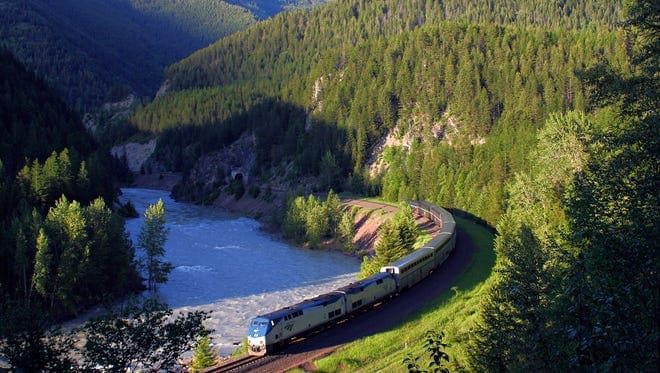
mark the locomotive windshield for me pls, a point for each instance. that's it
(259, 328)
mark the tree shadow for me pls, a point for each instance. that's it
(286, 140)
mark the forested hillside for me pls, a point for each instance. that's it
(207, 20)
(61, 245)
(536, 117)
(544, 124)
(268, 8)
(87, 48)
(468, 92)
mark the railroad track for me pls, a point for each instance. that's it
(235, 365)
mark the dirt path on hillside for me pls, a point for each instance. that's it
(372, 215)
(377, 320)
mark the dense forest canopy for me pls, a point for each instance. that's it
(31, 133)
(303, 35)
(538, 117)
(207, 20)
(62, 246)
(87, 48)
(268, 8)
(468, 83)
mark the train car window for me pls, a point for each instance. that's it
(330, 314)
(379, 281)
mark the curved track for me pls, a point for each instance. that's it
(376, 320)
(370, 321)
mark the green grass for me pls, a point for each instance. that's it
(421, 240)
(454, 313)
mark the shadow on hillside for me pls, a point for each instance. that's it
(288, 145)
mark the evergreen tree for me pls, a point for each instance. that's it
(333, 206)
(42, 278)
(329, 171)
(317, 221)
(396, 238)
(152, 238)
(406, 226)
(204, 356)
(346, 229)
(67, 223)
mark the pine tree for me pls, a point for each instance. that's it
(329, 170)
(317, 221)
(346, 229)
(204, 355)
(42, 277)
(406, 227)
(333, 208)
(151, 239)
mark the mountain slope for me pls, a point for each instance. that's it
(85, 48)
(62, 246)
(268, 8)
(33, 120)
(268, 49)
(207, 20)
(460, 87)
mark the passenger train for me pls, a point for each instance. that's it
(270, 331)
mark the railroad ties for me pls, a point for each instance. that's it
(234, 365)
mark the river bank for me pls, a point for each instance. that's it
(369, 216)
(226, 264)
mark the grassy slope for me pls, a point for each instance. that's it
(452, 313)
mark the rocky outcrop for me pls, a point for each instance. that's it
(108, 113)
(214, 171)
(135, 154)
(164, 88)
(416, 126)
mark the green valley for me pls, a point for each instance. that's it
(96, 51)
(535, 123)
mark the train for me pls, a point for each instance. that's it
(269, 332)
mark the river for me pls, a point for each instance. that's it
(225, 264)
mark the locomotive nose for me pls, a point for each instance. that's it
(257, 346)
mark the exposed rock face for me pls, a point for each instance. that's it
(215, 170)
(376, 162)
(112, 111)
(122, 105)
(416, 126)
(91, 123)
(164, 88)
(134, 153)
(317, 104)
